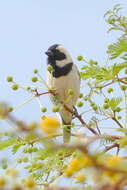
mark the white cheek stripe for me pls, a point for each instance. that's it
(68, 59)
(62, 63)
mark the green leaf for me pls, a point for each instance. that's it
(117, 48)
(7, 143)
(123, 131)
(107, 13)
(114, 103)
(16, 147)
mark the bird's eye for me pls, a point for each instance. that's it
(59, 55)
(56, 51)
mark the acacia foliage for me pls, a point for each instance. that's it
(101, 119)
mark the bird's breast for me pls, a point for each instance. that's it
(62, 84)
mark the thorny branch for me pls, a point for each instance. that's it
(79, 117)
(113, 81)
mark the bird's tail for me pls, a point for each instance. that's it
(66, 132)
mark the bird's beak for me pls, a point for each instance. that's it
(48, 53)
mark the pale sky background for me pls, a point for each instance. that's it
(29, 27)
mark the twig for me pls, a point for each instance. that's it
(114, 119)
(113, 81)
(111, 147)
(123, 82)
(43, 93)
(21, 124)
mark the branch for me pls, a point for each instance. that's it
(111, 147)
(96, 164)
(114, 119)
(113, 81)
(79, 117)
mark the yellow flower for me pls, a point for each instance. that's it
(2, 181)
(123, 141)
(29, 182)
(114, 161)
(12, 172)
(86, 161)
(80, 177)
(113, 177)
(75, 164)
(68, 172)
(49, 125)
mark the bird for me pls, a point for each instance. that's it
(65, 76)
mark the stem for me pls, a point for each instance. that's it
(114, 119)
(18, 106)
(125, 109)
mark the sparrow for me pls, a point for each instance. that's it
(64, 77)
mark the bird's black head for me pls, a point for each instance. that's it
(55, 53)
(59, 59)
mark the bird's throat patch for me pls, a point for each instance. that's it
(62, 71)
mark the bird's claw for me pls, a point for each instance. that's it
(75, 113)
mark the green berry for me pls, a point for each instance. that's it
(92, 104)
(35, 71)
(95, 107)
(35, 149)
(25, 150)
(106, 100)
(110, 90)
(10, 109)
(34, 164)
(80, 95)
(32, 125)
(50, 68)
(118, 109)
(123, 87)
(4, 166)
(70, 92)
(28, 88)
(15, 86)
(43, 109)
(64, 127)
(25, 159)
(39, 165)
(80, 104)
(119, 117)
(110, 21)
(30, 150)
(19, 160)
(109, 46)
(90, 124)
(105, 106)
(55, 109)
(95, 63)
(80, 58)
(30, 170)
(72, 124)
(19, 122)
(85, 98)
(34, 79)
(10, 79)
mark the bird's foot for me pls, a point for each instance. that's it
(75, 113)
